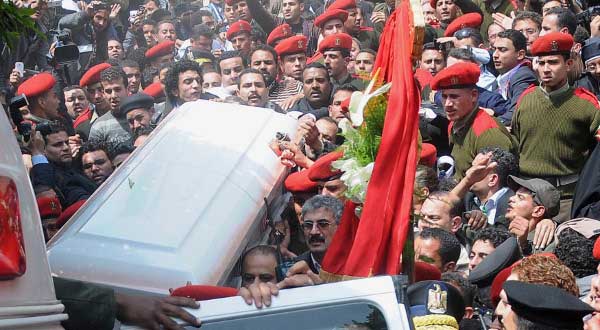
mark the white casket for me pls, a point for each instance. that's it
(183, 207)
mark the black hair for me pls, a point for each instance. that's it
(528, 15)
(447, 184)
(426, 177)
(517, 38)
(247, 71)
(148, 76)
(343, 51)
(473, 34)
(138, 55)
(575, 251)
(161, 15)
(344, 87)
(465, 287)
(495, 236)
(113, 62)
(266, 250)
(231, 54)
(141, 131)
(114, 73)
(172, 77)
(316, 65)
(54, 127)
(566, 18)
(149, 22)
(368, 50)
(201, 30)
(128, 63)
(91, 146)
(204, 12)
(456, 207)
(462, 54)
(580, 35)
(115, 149)
(449, 244)
(265, 48)
(508, 163)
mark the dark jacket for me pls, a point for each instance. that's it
(500, 220)
(518, 83)
(306, 257)
(586, 201)
(589, 82)
(70, 185)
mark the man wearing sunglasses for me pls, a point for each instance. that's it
(320, 218)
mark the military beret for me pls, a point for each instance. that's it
(590, 50)
(505, 255)
(315, 58)
(204, 292)
(426, 272)
(345, 105)
(435, 297)
(552, 43)
(336, 41)
(545, 193)
(470, 20)
(546, 305)
(238, 27)
(37, 85)
(69, 212)
(49, 207)
(433, 3)
(459, 75)
(230, 2)
(596, 251)
(281, 32)
(291, 45)
(92, 75)
(428, 155)
(136, 101)
(498, 283)
(299, 182)
(321, 169)
(342, 4)
(164, 48)
(155, 90)
(328, 15)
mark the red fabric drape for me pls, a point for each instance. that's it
(373, 245)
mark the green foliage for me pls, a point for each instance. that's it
(14, 22)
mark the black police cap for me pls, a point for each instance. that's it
(136, 101)
(505, 255)
(546, 305)
(435, 297)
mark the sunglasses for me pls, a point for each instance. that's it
(321, 224)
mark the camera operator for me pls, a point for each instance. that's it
(92, 26)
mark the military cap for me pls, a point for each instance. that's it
(37, 85)
(204, 292)
(164, 48)
(552, 43)
(299, 182)
(505, 255)
(426, 272)
(543, 193)
(546, 305)
(136, 101)
(433, 3)
(155, 90)
(596, 251)
(590, 50)
(470, 20)
(291, 45)
(459, 75)
(336, 41)
(330, 14)
(68, 213)
(92, 75)
(237, 28)
(428, 155)
(342, 4)
(280, 32)
(435, 297)
(49, 207)
(499, 282)
(321, 169)
(345, 105)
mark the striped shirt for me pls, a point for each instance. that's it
(282, 90)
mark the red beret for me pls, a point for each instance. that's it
(498, 283)
(164, 48)
(336, 41)
(345, 105)
(596, 251)
(329, 15)
(428, 155)
(230, 2)
(49, 207)
(426, 272)
(315, 58)
(433, 3)
(238, 27)
(92, 75)
(36, 85)
(321, 169)
(204, 292)
(459, 75)
(68, 213)
(299, 182)
(292, 45)
(552, 43)
(281, 32)
(342, 4)
(470, 20)
(155, 90)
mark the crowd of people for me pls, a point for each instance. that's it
(506, 197)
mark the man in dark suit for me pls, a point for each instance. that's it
(515, 70)
(320, 219)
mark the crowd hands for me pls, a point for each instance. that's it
(508, 122)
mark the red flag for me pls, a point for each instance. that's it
(378, 238)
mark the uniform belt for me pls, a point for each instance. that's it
(560, 181)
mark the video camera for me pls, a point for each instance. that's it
(585, 18)
(66, 50)
(24, 128)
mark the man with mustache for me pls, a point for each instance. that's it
(317, 91)
(76, 101)
(336, 54)
(253, 90)
(95, 162)
(320, 219)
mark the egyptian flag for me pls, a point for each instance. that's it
(373, 245)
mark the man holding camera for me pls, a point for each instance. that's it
(42, 100)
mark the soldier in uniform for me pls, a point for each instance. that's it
(239, 33)
(336, 53)
(555, 124)
(43, 101)
(471, 128)
(367, 36)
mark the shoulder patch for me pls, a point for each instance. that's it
(483, 122)
(583, 93)
(529, 90)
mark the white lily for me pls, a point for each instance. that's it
(359, 100)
